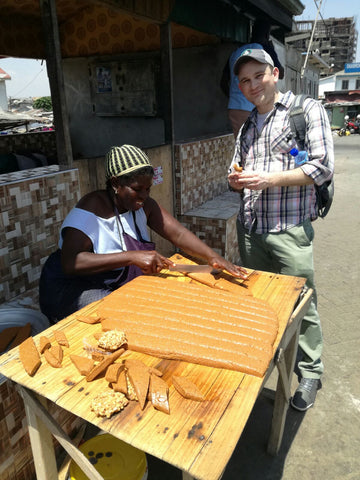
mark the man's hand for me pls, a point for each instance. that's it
(250, 180)
(263, 180)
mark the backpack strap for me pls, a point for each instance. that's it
(244, 128)
(297, 120)
(325, 192)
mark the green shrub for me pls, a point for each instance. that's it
(44, 103)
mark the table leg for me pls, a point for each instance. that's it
(187, 476)
(282, 395)
(285, 363)
(42, 424)
(42, 446)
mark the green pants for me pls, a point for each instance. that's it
(289, 252)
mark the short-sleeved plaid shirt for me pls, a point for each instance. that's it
(280, 208)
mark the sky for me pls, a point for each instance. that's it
(29, 77)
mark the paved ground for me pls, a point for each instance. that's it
(323, 443)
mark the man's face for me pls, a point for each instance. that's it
(257, 81)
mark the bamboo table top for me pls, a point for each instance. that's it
(197, 437)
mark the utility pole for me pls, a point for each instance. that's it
(310, 41)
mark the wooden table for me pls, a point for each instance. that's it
(192, 436)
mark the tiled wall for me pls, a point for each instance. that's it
(16, 460)
(214, 222)
(33, 204)
(201, 170)
(204, 203)
(44, 142)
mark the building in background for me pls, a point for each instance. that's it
(3, 96)
(334, 40)
(340, 94)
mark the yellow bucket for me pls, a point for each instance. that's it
(112, 458)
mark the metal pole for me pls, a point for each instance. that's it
(310, 42)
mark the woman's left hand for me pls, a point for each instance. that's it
(235, 270)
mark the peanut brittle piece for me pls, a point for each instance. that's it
(102, 366)
(29, 356)
(107, 403)
(61, 339)
(44, 343)
(159, 394)
(112, 340)
(54, 356)
(83, 364)
(139, 377)
(113, 371)
(187, 388)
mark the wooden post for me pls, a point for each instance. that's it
(167, 97)
(167, 102)
(56, 80)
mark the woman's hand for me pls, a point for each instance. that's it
(149, 261)
(220, 263)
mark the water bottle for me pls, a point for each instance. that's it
(300, 157)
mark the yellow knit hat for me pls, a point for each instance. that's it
(125, 159)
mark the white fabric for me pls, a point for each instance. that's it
(104, 232)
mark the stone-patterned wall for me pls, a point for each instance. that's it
(203, 202)
(201, 171)
(33, 206)
(16, 460)
(43, 142)
(214, 222)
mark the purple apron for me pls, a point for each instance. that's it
(134, 244)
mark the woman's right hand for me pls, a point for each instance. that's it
(149, 261)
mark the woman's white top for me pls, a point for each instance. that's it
(106, 234)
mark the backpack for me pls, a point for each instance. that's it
(324, 192)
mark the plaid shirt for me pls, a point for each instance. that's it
(280, 208)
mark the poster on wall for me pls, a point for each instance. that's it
(158, 176)
(124, 87)
(103, 79)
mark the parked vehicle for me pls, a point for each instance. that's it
(353, 126)
(345, 129)
(350, 127)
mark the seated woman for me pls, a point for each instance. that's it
(104, 241)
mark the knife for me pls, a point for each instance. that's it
(184, 268)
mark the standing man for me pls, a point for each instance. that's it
(277, 198)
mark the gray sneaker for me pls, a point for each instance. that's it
(305, 394)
